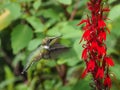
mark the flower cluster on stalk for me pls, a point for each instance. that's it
(94, 53)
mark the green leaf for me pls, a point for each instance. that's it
(9, 76)
(50, 63)
(5, 19)
(82, 85)
(12, 11)
(68, 30)
(115, 27)
(36, 23)
(49, 84)
(33, 83)
(53, 32)
(15, 10)
(19, 57)
(21, 87)
(66, 2)
(115, 70)
(111, 1)
(20, 37)
(25, 0)
(65, 88)
(7, 82)
(36, 4)
(114, 13)
(51, 13)
(78, 48)
(111, 42)
(34, 44)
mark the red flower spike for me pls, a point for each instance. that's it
(84, 54)
(109, 61)
(94, 52)
(107, 81)
(100, 73)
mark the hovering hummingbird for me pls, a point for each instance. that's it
(50, 48)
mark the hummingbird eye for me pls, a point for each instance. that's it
(48, 42)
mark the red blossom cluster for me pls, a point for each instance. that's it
(94, 53)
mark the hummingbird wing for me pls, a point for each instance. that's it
(56, 50)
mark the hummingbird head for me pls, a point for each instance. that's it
(50, 40)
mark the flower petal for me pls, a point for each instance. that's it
(105, 9)
(86, 35)
(101, 50)
(91, 65)
(84, 73)
(83, 21)
(107, 81)
(102, 35)
(109, 61)
(101, 24)
(84, 54)
(100, 73)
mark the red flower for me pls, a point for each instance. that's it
(105, 9)
(91, 65)
(109, 61)
(84, 54)
(101, 50)
(102, 35)
(101, 24)
(100, 73)
(86, 35)
(107, 81)
(94, 45)
(90, 6)
(83, 21)
(84, 73)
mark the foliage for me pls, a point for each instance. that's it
(25, 23)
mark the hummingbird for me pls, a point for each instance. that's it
(50, 48)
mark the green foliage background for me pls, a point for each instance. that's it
(23, 25)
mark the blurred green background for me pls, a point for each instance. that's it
(25, 23)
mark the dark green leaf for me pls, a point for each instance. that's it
(36, 23)
(20, 37)
(114, 13)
